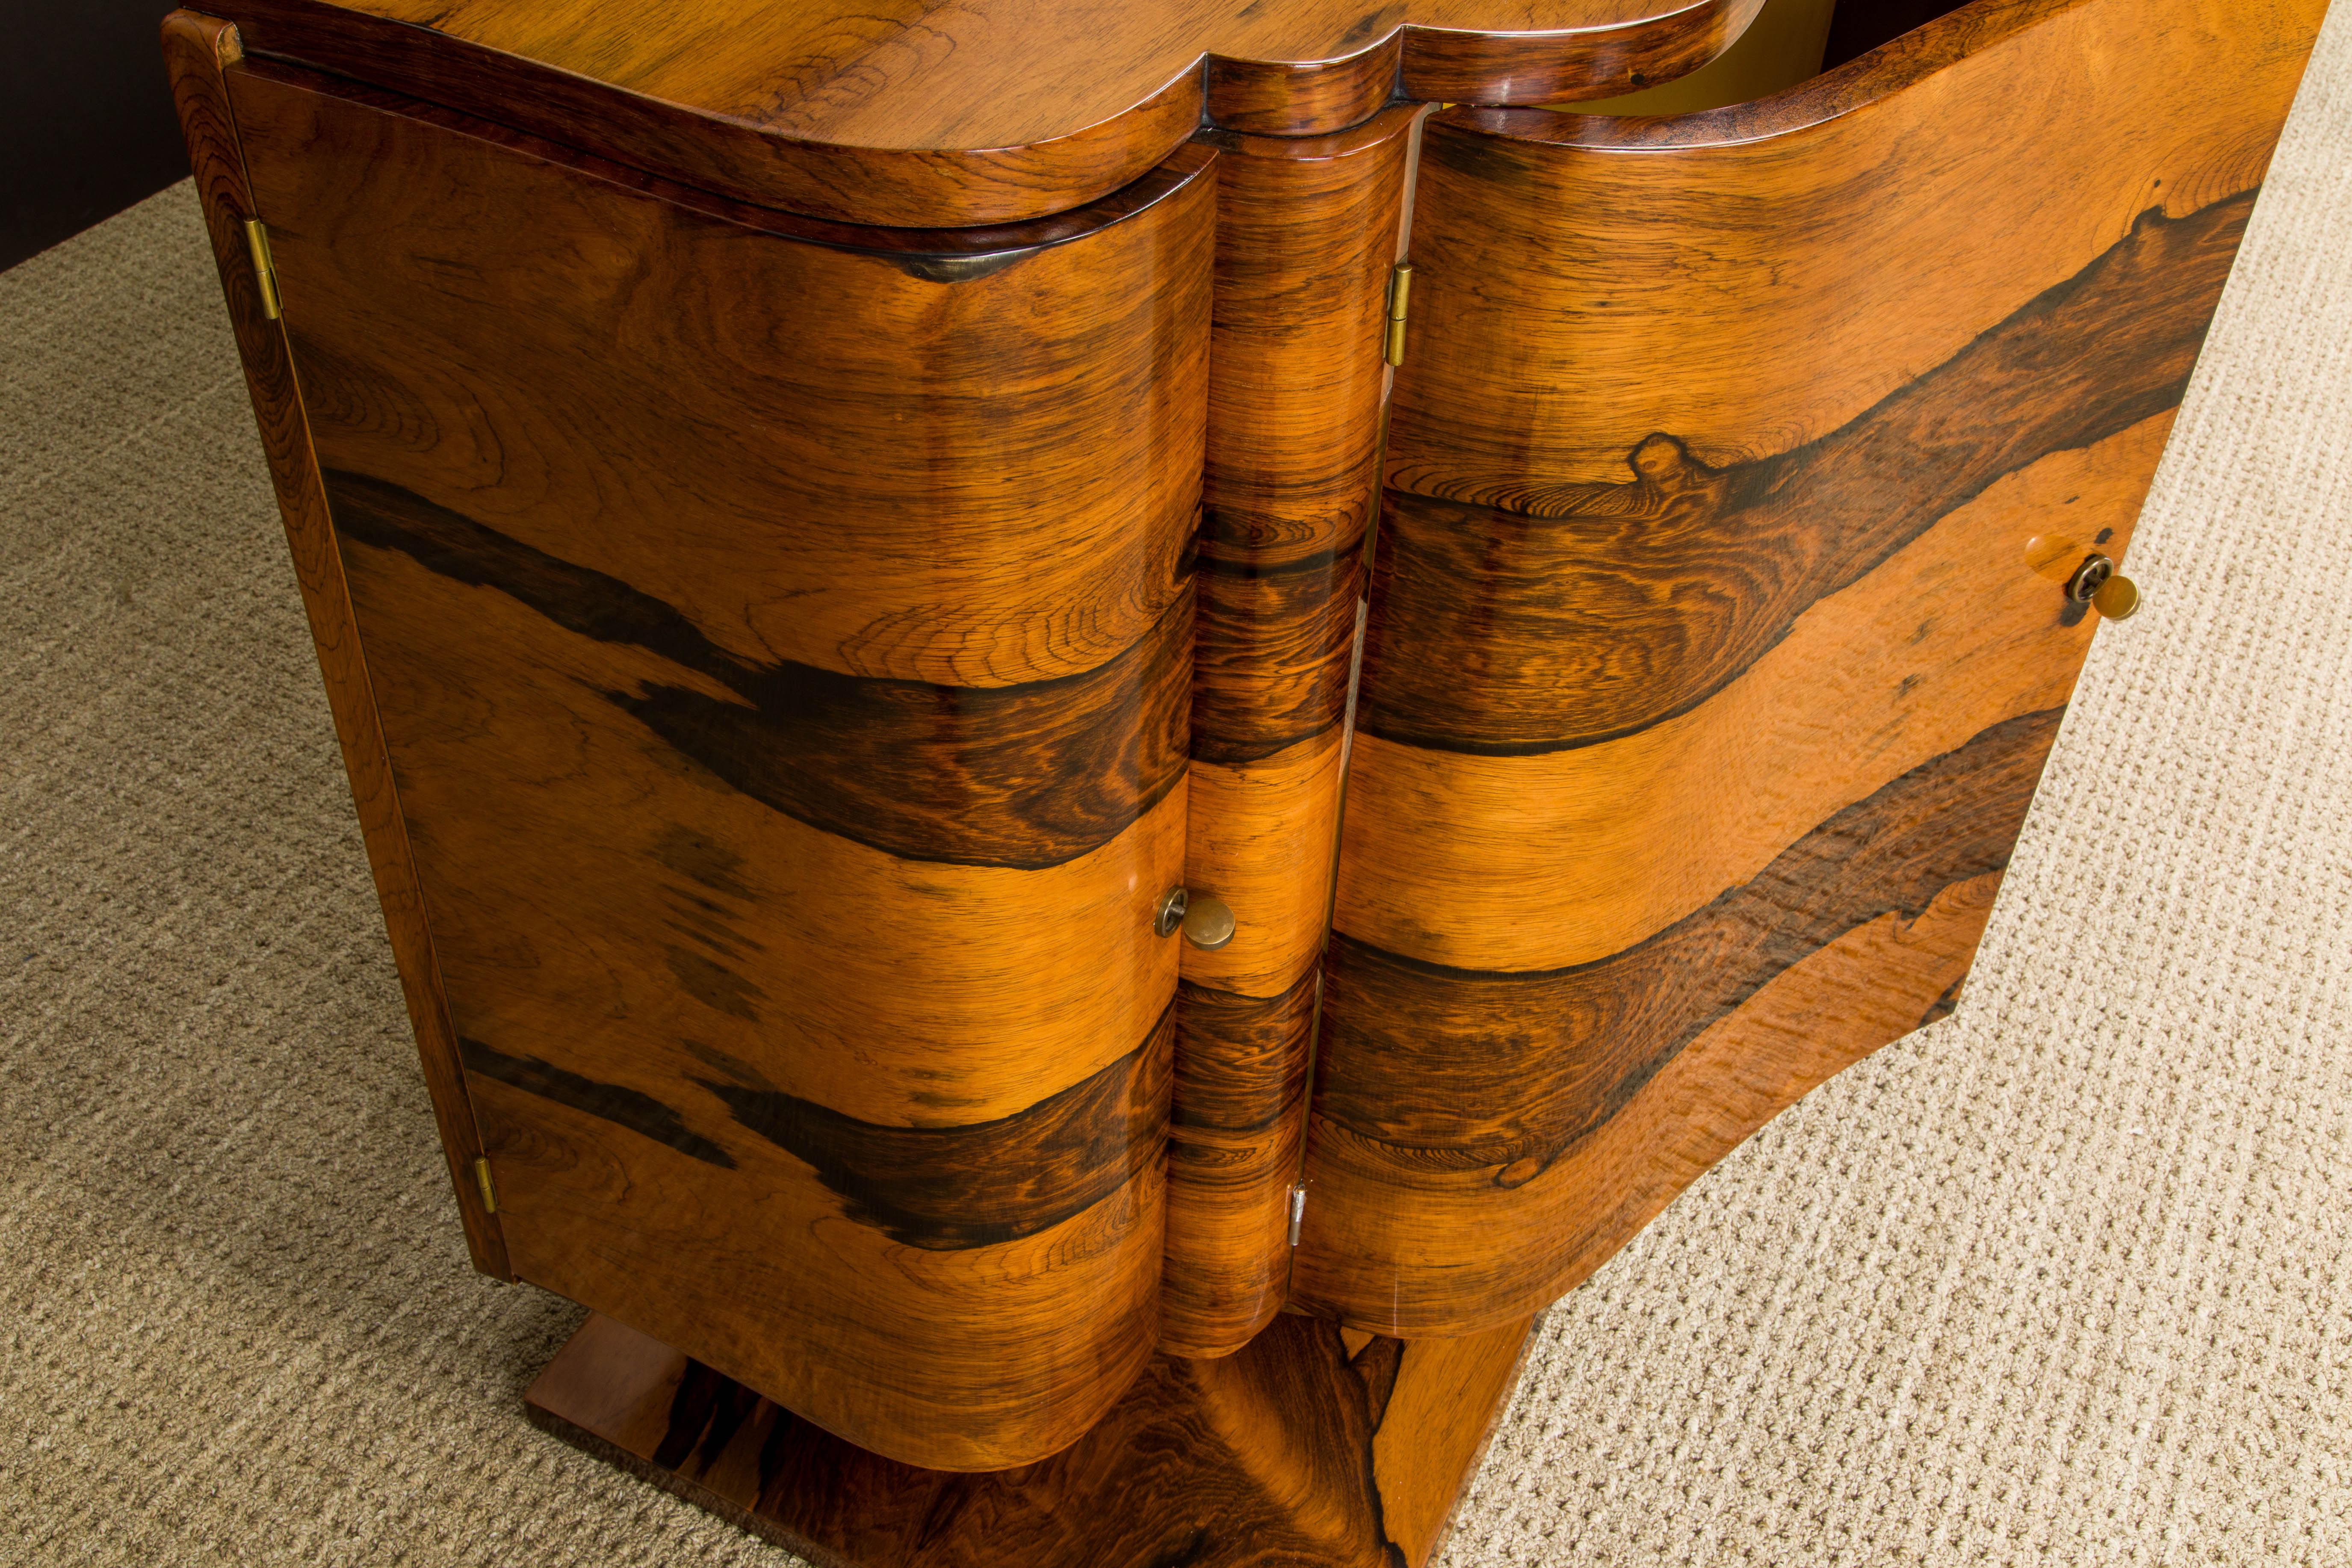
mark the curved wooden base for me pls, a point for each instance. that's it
(1311, 1447)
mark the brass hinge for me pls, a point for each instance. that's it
(265, 271)
(1297, 1209)
(482, 1179)
(1400, 291)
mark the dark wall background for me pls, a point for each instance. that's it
(1858, 26)
(84, 115)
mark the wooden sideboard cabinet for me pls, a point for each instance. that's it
(1094, 734)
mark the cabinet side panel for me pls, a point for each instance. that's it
(1718, 631)
(196, 49)
(1306, 228)
(783, 653)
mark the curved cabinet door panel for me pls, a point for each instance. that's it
(1718, 629)
(781, 636)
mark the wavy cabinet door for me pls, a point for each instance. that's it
(781, 646)
(1709, 672)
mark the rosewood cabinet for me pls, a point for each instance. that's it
(1063, 839)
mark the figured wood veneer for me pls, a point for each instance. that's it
(1700, 709)
(986, 112)
(1312, 1447)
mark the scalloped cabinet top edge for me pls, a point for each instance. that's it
(950, 112)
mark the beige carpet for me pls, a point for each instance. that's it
(2062, 1280)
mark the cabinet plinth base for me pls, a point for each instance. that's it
(1311, 1447)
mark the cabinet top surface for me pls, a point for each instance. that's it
(977, 74)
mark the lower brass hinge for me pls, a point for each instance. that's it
(1400, 291)
(265, 271)
(1298, 1210)
(482, 1179)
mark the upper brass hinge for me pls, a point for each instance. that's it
(1400, 292)
(482, 1179)
(1297, 1209)
(265, 271)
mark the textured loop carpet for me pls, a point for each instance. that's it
(2063, 1280)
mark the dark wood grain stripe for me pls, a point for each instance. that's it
(1535, 618)
(942, 1188)
(1243, 1075)
(1270, 665)
(1461, 1070)
(618, 1103)
(1021, 776)
(1237, 1126)
(983, 1183)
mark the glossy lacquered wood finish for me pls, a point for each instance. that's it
(1782, 48)
(782, 649)
(1708, 671)
(1237, 1126)
(1254, 98)
(1493, 66)
(197, 50)
(1306, 228)
(986, 112)
(1311, 1449)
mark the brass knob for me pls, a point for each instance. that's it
(2117, 598)
(2098, 583)
(1208, 924)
